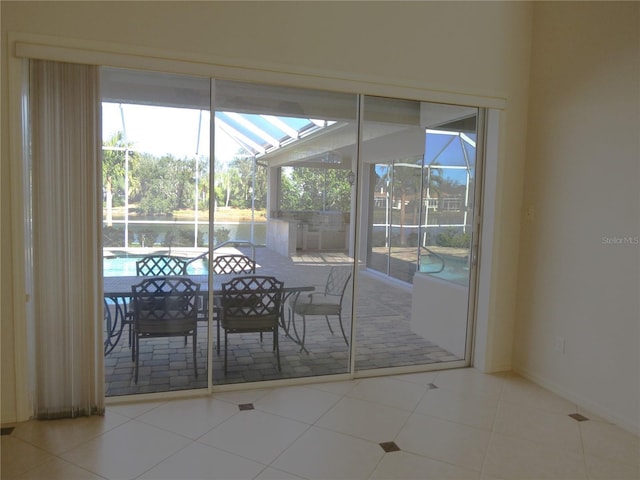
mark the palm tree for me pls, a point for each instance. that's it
(113, 169)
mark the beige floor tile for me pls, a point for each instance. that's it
(322, 454)
(275, 474)
(469, 409)
(610, 442)
(590, 415)
(127, 451)
(443, 440)
(134, 409)
(421, 378)
(339, 388)
(511, 457)
(192, 417)
(198, 462)
(57, 436)
(240, 397)
(58, 469)
(18, 456)
(298, 403)
(332, 430)
(527, 394)
(470, 381)
(389, 391)
(403, 465)
(603, 469)
(484, 476)
(363, 419)
(254, 434)
(548, 428)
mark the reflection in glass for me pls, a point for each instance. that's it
(420, 159)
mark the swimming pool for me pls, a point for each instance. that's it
(125, 265)
(454, 270)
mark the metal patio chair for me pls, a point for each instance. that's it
(165, 307)
(155, 265)
(325, 303)
(251, 304)
(233, 263)
(226, 265)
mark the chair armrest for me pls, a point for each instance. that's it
(312, 295)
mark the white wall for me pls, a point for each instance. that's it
(582, 180)
(452, 48)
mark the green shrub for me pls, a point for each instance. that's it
(221, 235)
(453, 238)
(113, 236)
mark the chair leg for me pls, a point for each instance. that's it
(326, 317)
(218, 335)
(225, 351)
(276, 346)
(195, 344)
(344, 335)
(304, 333)
(133, 345)
(137, 357)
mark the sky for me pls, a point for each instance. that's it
(181, 132)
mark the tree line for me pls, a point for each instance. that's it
(160, 186)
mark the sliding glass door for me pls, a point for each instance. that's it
(155, 207)
(284, 176)
(279, 193)
(293, 172)
(419, 163)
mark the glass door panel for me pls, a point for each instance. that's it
(155, 217)
(405, 215)
(285, 165)
(283, 193)
(380, 213)
(414, 293)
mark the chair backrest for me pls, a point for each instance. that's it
(233, 263)
(155, 265)
(338, 280)
(251, 297)
(165, 305)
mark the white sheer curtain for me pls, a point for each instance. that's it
(64, 113)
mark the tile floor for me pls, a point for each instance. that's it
(450, 424)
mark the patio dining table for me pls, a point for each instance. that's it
(118, 293)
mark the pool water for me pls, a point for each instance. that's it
(125, 266)
(455, 270)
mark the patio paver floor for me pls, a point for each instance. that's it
(384, 339)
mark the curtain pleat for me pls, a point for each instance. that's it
(64, 111)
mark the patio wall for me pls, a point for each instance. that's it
(439, 312)
(281, 236)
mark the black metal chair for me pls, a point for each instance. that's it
(155, 265)
(165, 307)
(225, 265)
(251, 304)
(161, 265)
(325, 303)
(233, 263)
